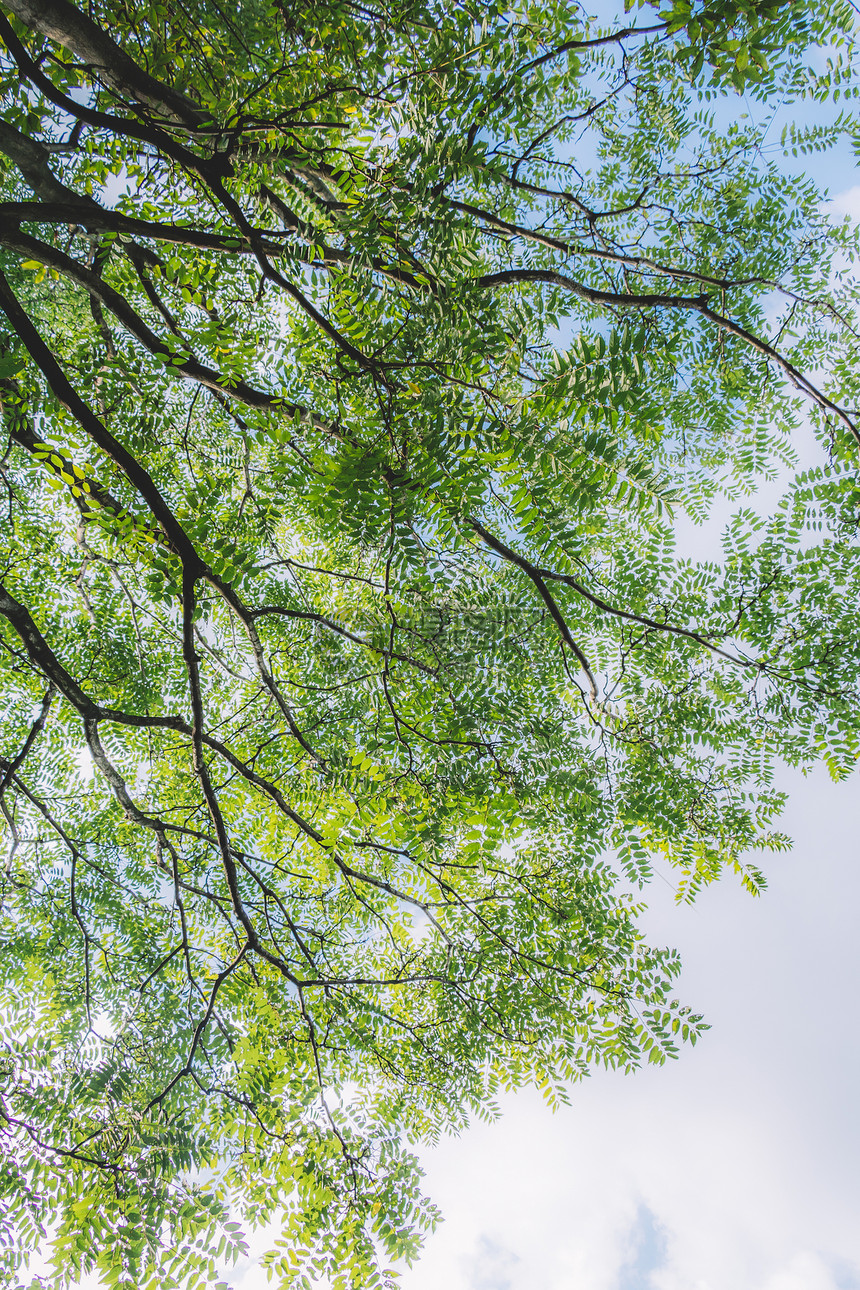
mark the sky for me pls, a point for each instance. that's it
(737, 1165)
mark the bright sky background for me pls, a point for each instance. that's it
(736, 1167)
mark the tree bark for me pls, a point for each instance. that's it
(76, 31)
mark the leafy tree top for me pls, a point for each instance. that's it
(355, 364)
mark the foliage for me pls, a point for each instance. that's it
(356, 367)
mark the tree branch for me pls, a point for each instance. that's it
(68, 26)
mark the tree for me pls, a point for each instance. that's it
(355, 364)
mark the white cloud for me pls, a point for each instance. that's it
(805, 1272)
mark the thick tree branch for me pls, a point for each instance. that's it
(68, 26)
(62, 389)
(190, 368)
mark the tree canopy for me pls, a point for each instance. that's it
(357, 363)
